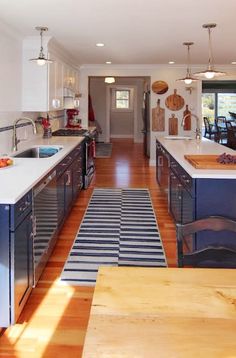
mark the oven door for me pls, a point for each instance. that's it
(89, 161)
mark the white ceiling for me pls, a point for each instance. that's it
(134, 31)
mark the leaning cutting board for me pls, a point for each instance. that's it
(173, 125)
(208, 162)
(174, 102)
(187, 120)
(158, 118)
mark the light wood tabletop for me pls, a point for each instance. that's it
(162, 312)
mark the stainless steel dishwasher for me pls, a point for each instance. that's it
(45, 219)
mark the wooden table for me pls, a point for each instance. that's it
(162, 312)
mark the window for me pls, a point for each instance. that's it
(122, 99)
(208, 106)
(218, 98)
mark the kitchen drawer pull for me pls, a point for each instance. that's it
(68, 173)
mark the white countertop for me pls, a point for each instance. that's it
(179, 148)
(18, 179)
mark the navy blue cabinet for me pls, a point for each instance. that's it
(69, 180)
(162, 167)
(196, 198)
(16, 258)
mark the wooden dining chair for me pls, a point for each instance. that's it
(210, 130)
(215, 254)
(220, 123)
(231, 135)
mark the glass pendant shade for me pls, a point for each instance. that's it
(188, 79)
(109, 79)
(210, 72)
(41, 60)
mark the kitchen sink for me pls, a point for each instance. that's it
(39, 152)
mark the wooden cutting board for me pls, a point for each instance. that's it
(187, 121)
(160, 87)
(208, 162)
(158, 118)
(173, 125)
(174, 102)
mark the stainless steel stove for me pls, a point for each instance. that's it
(70, 132)
(89, 143)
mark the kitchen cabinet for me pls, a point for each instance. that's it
(69, 180)
(70, 78)
(16, 258)
(162, 167)
(56, 99)
(77, 170)
(199, 195)
(43, 86)
(181, 194)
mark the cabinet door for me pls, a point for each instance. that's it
(188, 212)
(22, 266)
(77, 176)
(61, 198)
(159, 163)
(55, 85)
(68, 188)
(175, 200)
(59, 83)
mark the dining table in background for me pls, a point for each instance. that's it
(162, 312)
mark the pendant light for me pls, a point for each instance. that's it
(109, 79)
(188, 79)
(41, 59)
(210, 72)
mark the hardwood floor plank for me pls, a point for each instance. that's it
(54, 320)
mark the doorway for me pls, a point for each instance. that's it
(102, 96)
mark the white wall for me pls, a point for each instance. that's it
(11, 90)
(159, 72)
(168, 73)
(121, 124)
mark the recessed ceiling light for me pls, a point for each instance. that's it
(171, 62)
(100, 44)
(108, 62)
(233, 62)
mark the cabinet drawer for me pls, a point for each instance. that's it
(20, 210)
(186, 180)
(63, 165)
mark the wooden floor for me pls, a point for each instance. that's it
(54, 320)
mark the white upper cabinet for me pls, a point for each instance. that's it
(70, 78)
(44, 86)
(55, 85)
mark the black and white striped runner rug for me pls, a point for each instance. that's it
(119, 229)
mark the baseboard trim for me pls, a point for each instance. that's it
(121, 136)
(152, 162)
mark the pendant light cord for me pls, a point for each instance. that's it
(41, 47)
(188, 62)
(209, 50)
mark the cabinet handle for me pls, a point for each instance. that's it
(160, 161)
(68, 173)
(34, 225)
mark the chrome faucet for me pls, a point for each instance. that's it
(198, 128)
(15, 140)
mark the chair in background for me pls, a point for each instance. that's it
(210, 130)
(231, 135)
(232, 115)
(220, 123)
(214, 255)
